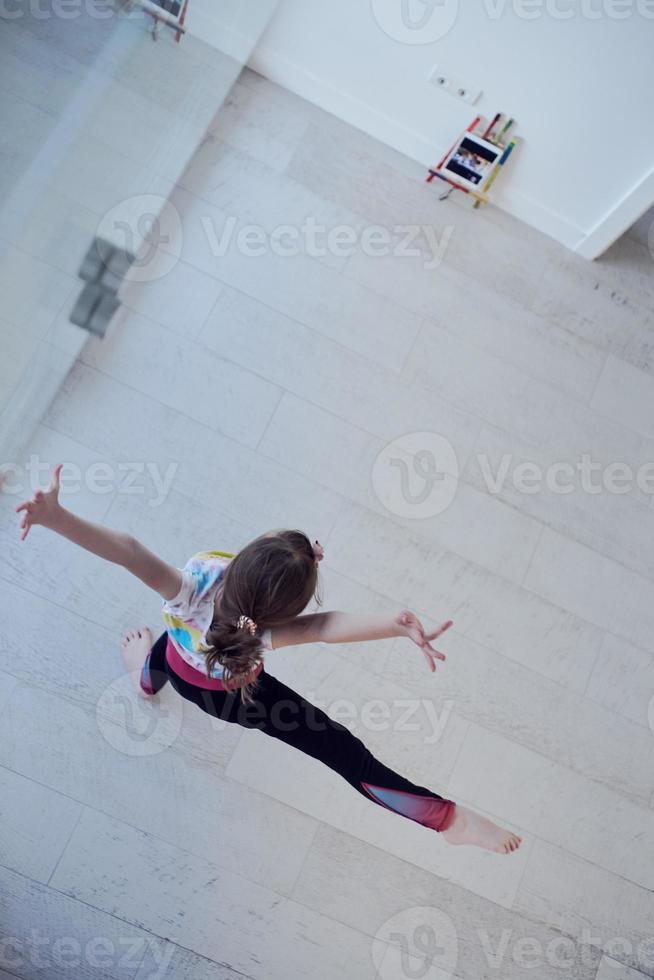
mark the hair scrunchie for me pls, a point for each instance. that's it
(244, 622)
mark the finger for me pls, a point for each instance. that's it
(432, 665)
(444, 626)
(22, 506)
(441, 629)
(56, 473)
(432, 650)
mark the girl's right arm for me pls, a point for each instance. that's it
(121, 549)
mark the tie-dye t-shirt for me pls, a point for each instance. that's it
(189, 615)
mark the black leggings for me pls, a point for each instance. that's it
(281, 713)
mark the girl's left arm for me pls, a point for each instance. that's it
(342, 627)
(114, 546)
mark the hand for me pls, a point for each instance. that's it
(43, 507)
(414, 629)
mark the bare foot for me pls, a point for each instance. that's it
(136, 645)
(469, 827)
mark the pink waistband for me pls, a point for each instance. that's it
(193, 676)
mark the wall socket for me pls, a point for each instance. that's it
(454, 86)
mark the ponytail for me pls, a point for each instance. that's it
(238, 652)
(268, 583)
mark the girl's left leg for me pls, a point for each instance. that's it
(280, 712)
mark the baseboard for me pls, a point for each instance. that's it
(622, 216)
(280, 70)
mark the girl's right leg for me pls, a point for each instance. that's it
(154, 674)
(145, 661)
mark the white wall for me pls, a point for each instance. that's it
(232, 26)
(580, 88)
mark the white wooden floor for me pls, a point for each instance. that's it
(143, 841)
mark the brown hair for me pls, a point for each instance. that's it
(270, 581)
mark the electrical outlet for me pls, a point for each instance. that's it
(455, 87)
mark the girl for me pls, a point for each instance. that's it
(222, 612)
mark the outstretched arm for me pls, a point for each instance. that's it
(341, 627)
(114, 546)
